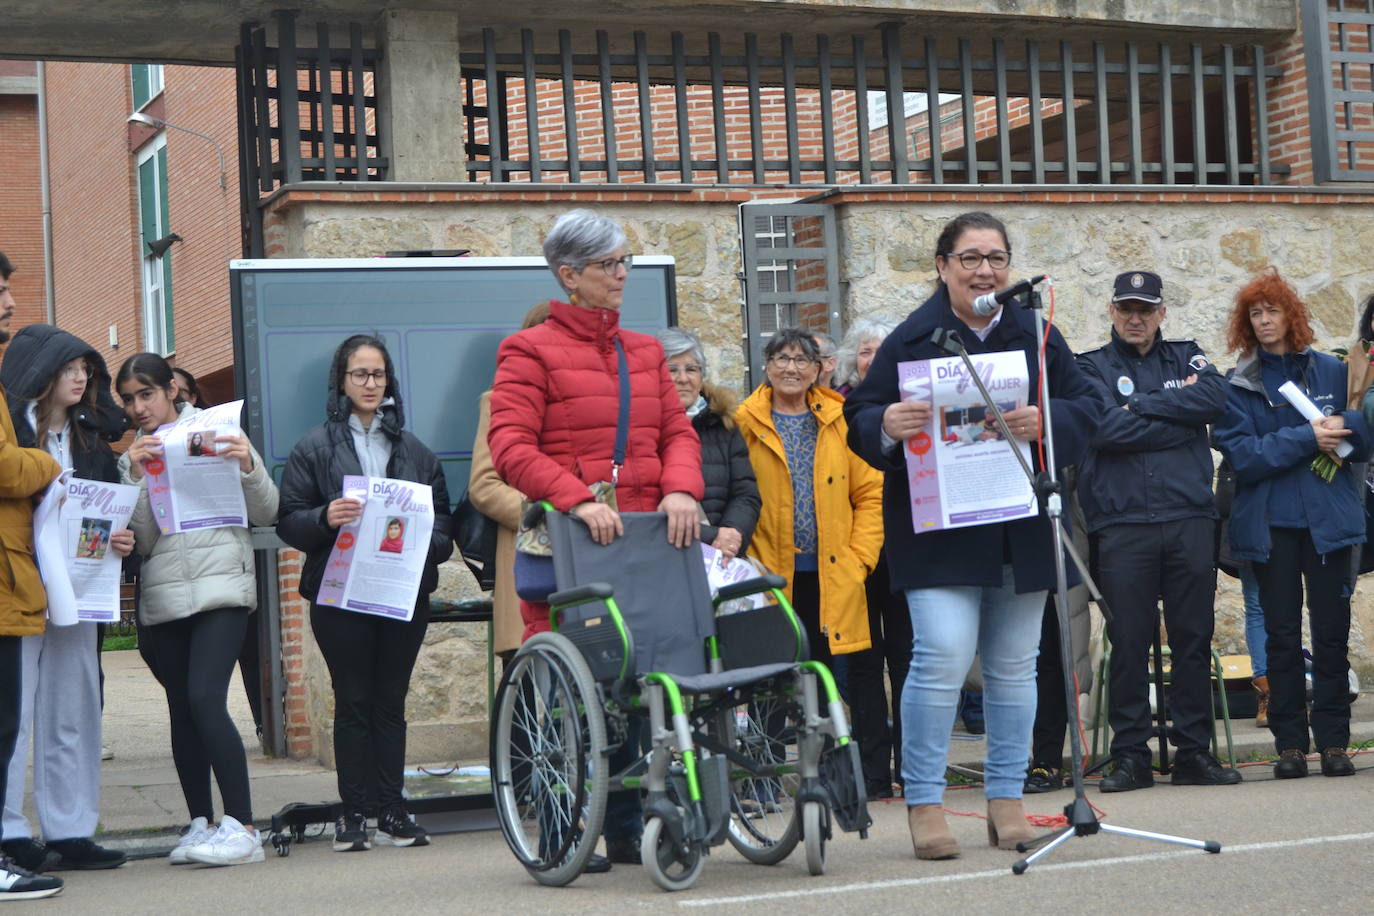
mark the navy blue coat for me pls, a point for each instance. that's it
(1150, 462)
(1271, 447)
(967, 556)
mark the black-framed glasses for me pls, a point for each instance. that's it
(361, 377)
(782, 361)
(612, 265)
(972, 260)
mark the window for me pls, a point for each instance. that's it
(147, 82)
(157, 271)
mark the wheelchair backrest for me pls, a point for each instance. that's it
(661, 591)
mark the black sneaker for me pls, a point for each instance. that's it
(1292, 764)
(1201, 769)
(623, 852)
(1043, 779)
(84, 855)
(396, 827)
(350, 833)
(18, 883)
(28, 854)
(1336, 763)
(1127, 775)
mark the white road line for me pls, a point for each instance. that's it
(1006, 872)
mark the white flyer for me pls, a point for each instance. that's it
(93, 510)
(377, 562)
(50, 553)
(192, 486)
(1303, 405)
(719, 575)
(960, 470)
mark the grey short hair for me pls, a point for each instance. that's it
(580, 237)
(859, 333)
(676, 342)
(826, 343)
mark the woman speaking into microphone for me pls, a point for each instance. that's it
(978, 589)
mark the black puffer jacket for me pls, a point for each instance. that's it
(314, 478)
(732, 494)
(32, 359)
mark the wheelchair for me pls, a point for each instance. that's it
(747, 739)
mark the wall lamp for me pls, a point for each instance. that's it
(148, 120)
(158, 247)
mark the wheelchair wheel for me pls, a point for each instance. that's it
(672, 866)
(815, 826)
(548, 760)
(763, 814)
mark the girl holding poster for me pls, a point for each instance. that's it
(370, 658)
(975, 589)
(198, 588)
(59, 400)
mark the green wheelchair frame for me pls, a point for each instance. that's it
(718, 767)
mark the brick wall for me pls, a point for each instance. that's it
(21, 216)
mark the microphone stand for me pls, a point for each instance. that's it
(1082, 820)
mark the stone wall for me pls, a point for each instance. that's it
(1204, 245)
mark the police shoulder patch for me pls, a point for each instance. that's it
(1198, 362)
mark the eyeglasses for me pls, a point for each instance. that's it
(81, 371)
(688, 369)
(361, 377)
(1144, 311)
(782, 361)
(611, 266)
(972, 260)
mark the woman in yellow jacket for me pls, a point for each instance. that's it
(821, 524)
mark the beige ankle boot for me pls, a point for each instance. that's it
(1007, 823)
(930, 834)
(1261, 685)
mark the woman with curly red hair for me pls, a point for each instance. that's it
(1296, 514)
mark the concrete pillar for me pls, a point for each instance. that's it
(419, 96)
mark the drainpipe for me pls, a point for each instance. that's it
(49, 288)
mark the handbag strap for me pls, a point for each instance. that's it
(622, 428)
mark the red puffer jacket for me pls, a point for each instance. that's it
(554, 408)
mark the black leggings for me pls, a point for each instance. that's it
(11, 670)
(193, 659)
(370, 659)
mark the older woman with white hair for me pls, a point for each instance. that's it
(555, 408)
(856, 352)
(732, 502)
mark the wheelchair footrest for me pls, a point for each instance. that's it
(842, 777)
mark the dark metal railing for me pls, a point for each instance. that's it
(1123, 113)
(1339, 45)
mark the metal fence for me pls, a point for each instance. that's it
(1339, 38)
(1004, 112)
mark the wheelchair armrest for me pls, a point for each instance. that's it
(581, 594)
(750, 587)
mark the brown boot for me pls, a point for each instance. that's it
(1007, 823)
(930, 834)
(1261, 685)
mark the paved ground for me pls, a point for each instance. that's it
(1298, 845)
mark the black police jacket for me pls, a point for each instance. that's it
(1149, 459)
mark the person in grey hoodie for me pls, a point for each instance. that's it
(370, 658)
(197, 590)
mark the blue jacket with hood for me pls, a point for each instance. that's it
(1271, 446)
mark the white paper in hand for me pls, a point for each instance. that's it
(1303, 404)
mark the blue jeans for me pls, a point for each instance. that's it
(1254, 620)
(951, 624)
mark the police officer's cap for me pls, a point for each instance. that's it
(1138, 284)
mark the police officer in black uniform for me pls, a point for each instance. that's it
(1146, 491)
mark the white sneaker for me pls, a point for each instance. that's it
(199, 832)
(232, 844)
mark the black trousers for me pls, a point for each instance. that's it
(867, 704)
(1138, 565)
(370, 659)
(1293, 559)
(11, 671)
(1051, 713)
(889, 626)
(193, 659)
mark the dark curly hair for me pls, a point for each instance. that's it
(338, 406)
(1269, 287)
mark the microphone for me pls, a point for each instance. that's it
(986, 304)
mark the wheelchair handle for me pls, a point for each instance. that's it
(535, 513)
(751, 586)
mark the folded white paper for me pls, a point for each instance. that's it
(1303, 404)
